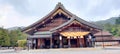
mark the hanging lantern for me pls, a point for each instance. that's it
(81, 36)
(75, 37)
(60, 37)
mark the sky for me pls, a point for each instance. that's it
(25, 12)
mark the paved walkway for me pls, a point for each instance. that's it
(98, 50)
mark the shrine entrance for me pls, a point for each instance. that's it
(47, 43)
(73, 42)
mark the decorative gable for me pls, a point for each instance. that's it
(57, 19)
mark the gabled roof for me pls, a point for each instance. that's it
(73, 17)
(79, 20)
(58, 6)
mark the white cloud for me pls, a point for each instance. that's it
(112, 13)
(14, 15)
(100, 10)
(92, 4)
(9, 17)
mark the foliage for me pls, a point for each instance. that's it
(13, 38)
(10, 37)
(22, 43)
(118, 20)
(113, 28)
(4, 38)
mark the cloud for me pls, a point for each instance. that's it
(13, 13)
(25, 12)
(103, 9)
(10, 18)
(95, 10)
(20, 5)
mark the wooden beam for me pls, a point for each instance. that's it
(61, 11)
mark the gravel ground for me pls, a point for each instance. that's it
(98, 50)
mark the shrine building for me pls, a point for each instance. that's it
(61, 29)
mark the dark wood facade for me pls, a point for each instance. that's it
(103, 36)
(106, 38)
(61, 29)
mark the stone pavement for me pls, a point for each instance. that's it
(98, 50)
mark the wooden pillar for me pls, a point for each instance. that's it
(39, 43)
(78, 42)
(69, 44)
(102, 39)
(51, 43)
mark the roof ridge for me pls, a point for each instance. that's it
(59, 5)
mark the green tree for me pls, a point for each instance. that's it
(16, 35)
(118, 30)
(118, 20)
(22, 43)
(107, 26)
(4, 37)
(13, 38)
(10, 37)
(114, 31)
